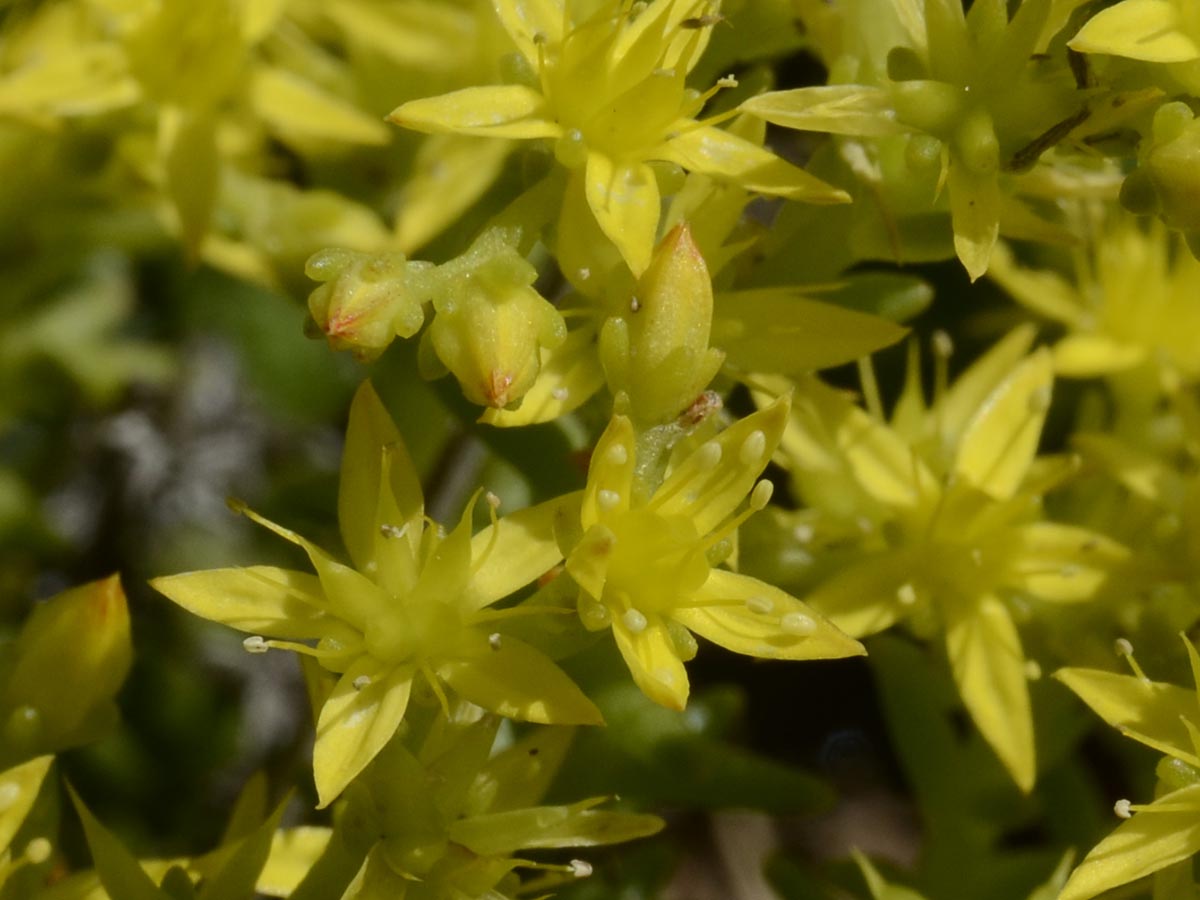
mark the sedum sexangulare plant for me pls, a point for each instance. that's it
(603, 380)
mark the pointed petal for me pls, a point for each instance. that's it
(653, 661)
(864, 598)
(507, 111)
(721, 154)
(711, 483)
(851, 109)
(19, 787)
(1000, 442)
(624, 199)
(962, 402)
(1082, 355)
(989, 669)
(1152, 840)
(1061, 563)
(773, 330)
(297, 108)
(119, 870)
(1150, 712)
(790, 630)
(1137, 29)
(531, 23)
(1042, 291)
(610, 473)
(356, 721)
(512, 679)
(577, 825)
(975, 216)
(569, 376)
(278, 603)
(375, 880)
(363, 472)
(516, 551)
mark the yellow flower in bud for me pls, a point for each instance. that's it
(68, 663)
(657, 352)
(645, 570)
(366, 301)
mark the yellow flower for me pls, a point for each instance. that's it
(951, 513)
(416, 605)
(644, 564)
(610, 91)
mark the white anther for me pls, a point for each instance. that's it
(608, 499)
(728, 81)
(492, 500)
(753, 448)
(617, 454)
(1033, 670)
(803, 533)
(393, 531)
(256, 643)
(580, 868)
(798, 623)
(494, 640)
(708, 455)
(38, 850)
(585, 273)
(1123, 647)
(1122, 809)
(906, 594)
(864, 525)
(761, 495)
(362, 681)
(634, 620)
(942, 345)
(560, 394)
(760, 604)
(634, 304)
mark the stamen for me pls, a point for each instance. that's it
(608, 499)
(943, 348)
(37, 851)
(798, 623)
(560, 394)
(492, 500)
(1122, 809)
(761, 495)
(760, 604)
(803, 533)
(617, 454)
(393, 531)
(634, 304)
(634, 620)
(580, 868)
(1125, 649)
(870, 388)
(752, 448)
(584, 273)
(436, 688)
(906, 594)
(494, 640)
(476, 564)
(362, 681)
(255, 644)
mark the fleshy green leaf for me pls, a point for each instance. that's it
(119, 871)
(989, 668)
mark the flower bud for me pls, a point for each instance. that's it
(1173, 167)
(68, 663)
(656, 351)
(491, 325)
(366, 301)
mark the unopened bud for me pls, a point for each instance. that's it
(365, 302)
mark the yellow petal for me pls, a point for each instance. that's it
(851, 109)
(758, 619)
(510, 111)
(962, 402)
(1044, 292)
(989, 669)
(975, 216)
(1061, 563)
(517, 550)
(360, 716)
(624, 199)
(512, 679)
(721, 154)
(1137, 29)
(531, 23)
(610, 473)
(293, 852)
(653, 661)
(716, 477)
(1152, 840)
(19, 787)
(1147, 711)
(278, 603)
(296, 108)
(864, 598)
(1083, 355)
(998, 445)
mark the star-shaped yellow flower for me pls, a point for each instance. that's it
(610, 91)
(645, 569)
(415, 605)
